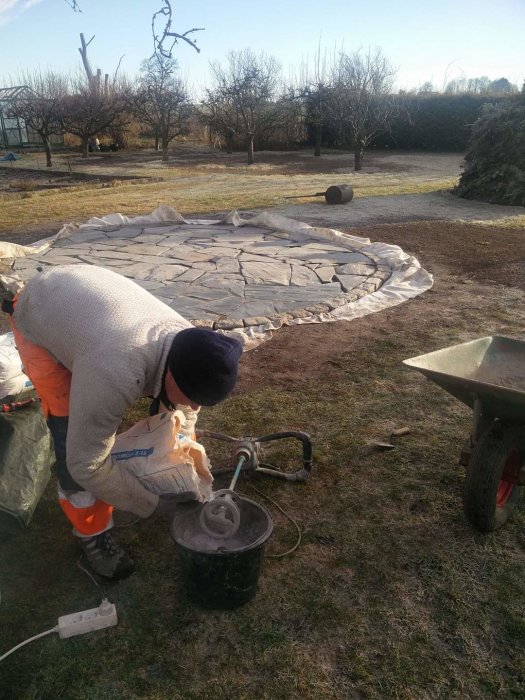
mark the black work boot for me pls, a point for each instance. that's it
(106, 557)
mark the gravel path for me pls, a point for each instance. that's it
(395, 209)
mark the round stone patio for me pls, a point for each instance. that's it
(244, 275)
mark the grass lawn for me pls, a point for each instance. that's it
(197, 181)
(391, 594)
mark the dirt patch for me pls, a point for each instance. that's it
(304, 163)
(473, 266)
(298, 162)
(29, 180)
(485, 254)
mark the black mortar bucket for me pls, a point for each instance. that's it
(221, 574)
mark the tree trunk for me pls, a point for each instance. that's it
(358, 157)
(47, 148)
(119, 136)
(250, 149)
(230, 135)
(85, 60)
(318, 134)
(85, 146)
(157, 143)
(165, 144)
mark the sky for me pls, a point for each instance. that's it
(425, 40)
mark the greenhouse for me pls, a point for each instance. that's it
(13, 131)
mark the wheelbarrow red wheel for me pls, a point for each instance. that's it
(493, 487)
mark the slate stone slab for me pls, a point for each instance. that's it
(266, 272)
(141, 249)
(234, 288)
(325, 274)
(222, 276)
(165, 273)
(355, 269)
(303, 277)
(349, 282)
(86, 236)
(150, 237)
(227, 265)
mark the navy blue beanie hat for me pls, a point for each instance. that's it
(204, 364)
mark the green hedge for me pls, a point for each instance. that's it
(495, 160)
(436, 122)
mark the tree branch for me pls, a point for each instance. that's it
(73, 4)
(117, 69)
(168, 35)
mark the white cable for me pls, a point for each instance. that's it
(31, 639)
(97, 584)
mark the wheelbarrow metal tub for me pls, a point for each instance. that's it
(488, 375)
(491, 369)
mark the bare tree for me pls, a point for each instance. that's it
(456, 86)
(86, 113)
(361, 103)
(478, 85)
(288, 129)
(427, 88)
(317, 100)
(243, 96)
(40, 105)
(502, 86)
(482, 85)
(220, 114)
(315, 92)
(107, 87)
(95, 79)
(161, 101)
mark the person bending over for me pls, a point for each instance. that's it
(93, 342)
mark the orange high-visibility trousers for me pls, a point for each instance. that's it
(52, 381)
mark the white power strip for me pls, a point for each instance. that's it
(87, 620)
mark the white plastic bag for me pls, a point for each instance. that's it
(164, 460)
(12, 377)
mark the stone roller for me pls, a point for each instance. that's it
(336, 194)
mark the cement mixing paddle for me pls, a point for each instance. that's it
(220, 517)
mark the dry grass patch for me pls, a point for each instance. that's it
(197, 180)
(189, 195)
(516, 222)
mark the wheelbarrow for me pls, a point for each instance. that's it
(488, 375)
